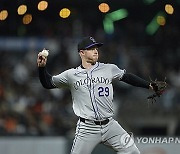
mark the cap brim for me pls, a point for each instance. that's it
(94, 44)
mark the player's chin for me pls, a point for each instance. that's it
(95, 59)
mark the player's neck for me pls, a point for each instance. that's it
(87, 65)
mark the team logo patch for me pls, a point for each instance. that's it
(92, 39)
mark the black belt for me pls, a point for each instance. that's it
(104, 122)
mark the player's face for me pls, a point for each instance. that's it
(91, 55)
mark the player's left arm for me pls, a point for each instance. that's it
(157, 86)
(134, 80)
(129, 78)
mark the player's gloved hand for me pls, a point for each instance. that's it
(41, 60)
(158, 87)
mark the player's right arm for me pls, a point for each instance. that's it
(44, 76)
(48, 81)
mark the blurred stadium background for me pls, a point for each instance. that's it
(140, 36)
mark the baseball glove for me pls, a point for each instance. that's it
(158, 87)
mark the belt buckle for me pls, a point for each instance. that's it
(97, 122)
(103, 122)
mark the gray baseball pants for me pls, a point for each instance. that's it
(88, 135)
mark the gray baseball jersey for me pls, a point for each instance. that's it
(92, 91)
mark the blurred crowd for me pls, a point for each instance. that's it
(27, 109)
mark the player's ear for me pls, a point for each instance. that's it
(81, 52)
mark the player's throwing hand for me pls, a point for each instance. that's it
(42, 58)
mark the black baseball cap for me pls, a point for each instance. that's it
(88, 42)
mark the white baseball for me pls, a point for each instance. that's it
(45, 52)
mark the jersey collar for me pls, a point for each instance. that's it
(94, 66)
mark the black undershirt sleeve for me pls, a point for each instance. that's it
(135, 80)
(45, 78)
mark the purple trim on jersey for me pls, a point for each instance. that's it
(94, 44)
(96, 116)
(75, 139)
(94, 93)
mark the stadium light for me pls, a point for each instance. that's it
(104, 7)
(3, 14)
(117, 15)
(22, 9)
(64, 13)
(27, 19)
(158, 20)
(108, 26)
(42, 5)
(169, 9)
(110, 18)
(161, 20)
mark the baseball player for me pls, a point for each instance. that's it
(92, 96)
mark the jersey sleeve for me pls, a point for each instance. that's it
(117, 73)
(61, 80)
